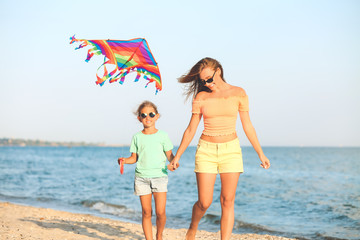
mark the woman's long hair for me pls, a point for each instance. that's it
(192, 79)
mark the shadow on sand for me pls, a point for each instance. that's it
(100, 231)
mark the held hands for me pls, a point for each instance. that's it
(121, 162)
(173, 165)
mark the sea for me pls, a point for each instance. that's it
(308, 193)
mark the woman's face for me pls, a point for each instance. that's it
(209, 77)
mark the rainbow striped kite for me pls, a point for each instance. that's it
(124, 56)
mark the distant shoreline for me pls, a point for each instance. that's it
(18, 142)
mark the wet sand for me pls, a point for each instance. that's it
(25, 222)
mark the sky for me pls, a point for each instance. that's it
(298, 61)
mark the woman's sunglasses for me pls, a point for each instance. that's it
(144, 115)
(210, 80)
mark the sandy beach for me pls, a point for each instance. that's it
(25, 222)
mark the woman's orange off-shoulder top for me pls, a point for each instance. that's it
(220, 114)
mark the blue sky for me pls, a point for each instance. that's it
(299, 62)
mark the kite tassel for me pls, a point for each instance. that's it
(123, 77)
(112, 72)
(80, 46)
(89, 55)
(138, 75)
(116, 78)
(122, 80)
(100, 81)
(73, 39)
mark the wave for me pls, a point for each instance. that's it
(9, 197)
(238, 225)
(112, 209)
(26, 199)
(245, 227)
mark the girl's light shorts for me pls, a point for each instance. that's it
(145, 186)
(218, 157)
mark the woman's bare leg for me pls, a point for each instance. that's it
(205, 183)
(227, 199)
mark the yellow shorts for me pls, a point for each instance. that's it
(218, 157)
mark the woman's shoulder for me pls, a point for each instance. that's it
(201, 96)
(237, 91)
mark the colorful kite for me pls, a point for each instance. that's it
(124, 57)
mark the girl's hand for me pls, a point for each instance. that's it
(265, 163)
(171, 167)
(121, 162)
(175, 163)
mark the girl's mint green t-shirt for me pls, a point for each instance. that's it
(151, 149)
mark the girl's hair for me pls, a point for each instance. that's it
(145, 104)
(192, 78)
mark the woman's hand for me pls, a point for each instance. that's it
(265, 163)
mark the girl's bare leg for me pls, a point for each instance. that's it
(160, 206)
(146, 216)
(205, 182)
(227, 199)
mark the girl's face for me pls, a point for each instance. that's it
(148, 117)
(209, 77)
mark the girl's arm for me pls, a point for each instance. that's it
(130, 160)
(169, 155)
(187, 138)
(251, 135)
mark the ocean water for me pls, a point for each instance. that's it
(308, 193)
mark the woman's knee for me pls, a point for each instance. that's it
(204, 205)
(227, 202)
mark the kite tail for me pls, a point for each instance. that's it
(73, 39)
(112, 72)
(149, 80)
(107, 75)
(83, 44)
(116, 78)
(123, 77)
(138, 75)
(100, 81)
(90, 54)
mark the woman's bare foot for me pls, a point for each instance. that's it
(190, 235)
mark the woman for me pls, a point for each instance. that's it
(218, 150)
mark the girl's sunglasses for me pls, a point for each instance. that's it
(210, 80)
(144, 115)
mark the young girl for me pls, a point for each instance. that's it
(149, 149)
